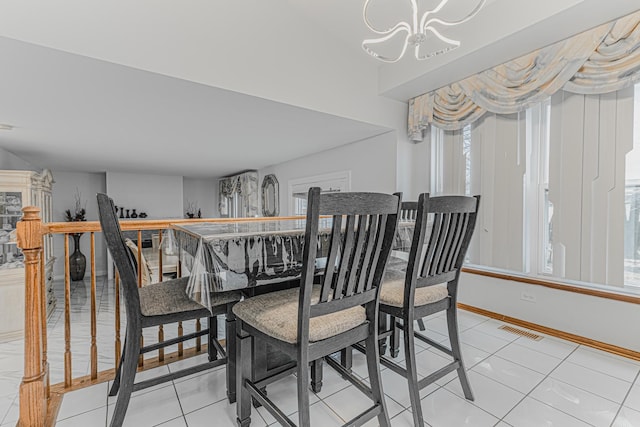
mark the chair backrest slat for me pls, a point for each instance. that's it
(357, 252)
(454, 219)
(365, 268)
(345, 258)
(431, 247)
(354, 269)
(463, 223)
(443, 265)
(382, 232)
(409, 211)
(440, 244)
(334, 250)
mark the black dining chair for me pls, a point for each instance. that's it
(430, 285)
(153, 305)
(314, 321)
(408, 214)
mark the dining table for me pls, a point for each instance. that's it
(254, 257)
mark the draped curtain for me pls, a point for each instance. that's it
(245, 186)
(602, 60)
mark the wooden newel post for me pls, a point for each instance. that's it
(32, 392)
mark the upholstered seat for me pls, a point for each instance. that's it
(276, 314)
(170, 297)
(392, 293)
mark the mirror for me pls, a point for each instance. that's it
(270, 196)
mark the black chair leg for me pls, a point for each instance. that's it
(230, 333)
(213, 335)
(116, 380)
(373, 366)
(382, 326)
(346, 358)
(452, 324)
(303, 389)
(412, 373)
(421, 325)
(259, 368)
(129, 366)
(243, 372)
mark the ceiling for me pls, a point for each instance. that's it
(206, 89)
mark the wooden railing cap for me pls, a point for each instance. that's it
(30, 213)
(29, 229)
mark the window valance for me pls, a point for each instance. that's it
(603, 59)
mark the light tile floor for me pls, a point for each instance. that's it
(517, 382)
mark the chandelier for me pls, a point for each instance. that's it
(418, 34)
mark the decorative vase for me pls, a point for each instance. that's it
(121, 212)
(128, 213)
(134, 214)
(77, 260)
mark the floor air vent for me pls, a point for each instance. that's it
(520, 332)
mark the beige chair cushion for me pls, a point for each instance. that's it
(171, 297)
(276, 314)
(392, 293)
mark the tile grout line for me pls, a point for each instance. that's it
(625, 398)
(467, 370)
(496, 355)
(541, 381)
(538, 384)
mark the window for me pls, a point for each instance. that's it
(555, 201)
(632, 203)
(538, 207)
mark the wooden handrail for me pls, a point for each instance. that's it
(145, 224)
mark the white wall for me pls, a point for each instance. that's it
(64, 190)
(159, 196)
(204, 192)
(413, 160)
(372, 163)
(601, 319)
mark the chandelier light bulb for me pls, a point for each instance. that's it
(418, 33)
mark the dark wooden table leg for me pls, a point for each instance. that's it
(316, 376)
(346, 358)
(243, 366)
(394, 338)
